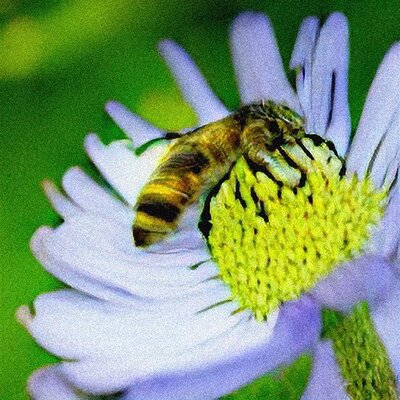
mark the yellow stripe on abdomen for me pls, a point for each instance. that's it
(161, 204)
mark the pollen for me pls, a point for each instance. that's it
(273, 242)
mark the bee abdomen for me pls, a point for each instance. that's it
(144, 237)
(161, 205)
(155, 218)
(192, 165)
(160, 209)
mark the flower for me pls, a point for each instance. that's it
(155, 323)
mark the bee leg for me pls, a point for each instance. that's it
(275, 165)
(173, 135)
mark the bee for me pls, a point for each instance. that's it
(270, 136)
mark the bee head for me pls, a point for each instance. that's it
(277, 123)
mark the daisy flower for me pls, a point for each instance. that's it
(184, 319)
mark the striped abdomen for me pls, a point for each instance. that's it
(192, 164)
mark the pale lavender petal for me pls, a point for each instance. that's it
(388, 153)
(325, 378)
(296, 330)
(365, 278)
(62, 204)
(48, 384)
(386, 317)
(339, 129)
(392, 172)
(381, 107)
(193, 85)
(92, 197)
(397, 259)
(258, 64)
(329, 80)
(302, 60)
(125, 172)
(386, 237)
(136, 128)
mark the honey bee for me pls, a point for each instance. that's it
(270, 136)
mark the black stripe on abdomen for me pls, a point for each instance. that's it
(160, 209)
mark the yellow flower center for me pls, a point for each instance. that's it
(273, 241)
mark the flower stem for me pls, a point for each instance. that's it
(361, 355)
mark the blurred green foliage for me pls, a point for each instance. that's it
(61, 60)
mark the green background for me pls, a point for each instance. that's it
(60, 61)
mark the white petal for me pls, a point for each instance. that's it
(329, 104)
(295, 331)
(48, 384)
(302, 59)
(325, 376)
(381, 106)
(386, 317)
(62, 204)
(212, 350)
(194, 87)
(77, 327)
(125, 172)
(365, 278)
(186, 237)
(70, 276)
(136, 128)
(91, 197)
(96, 284)
(258, 64)
(119, 345)
(103, 252)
